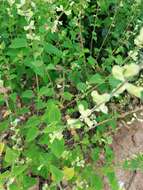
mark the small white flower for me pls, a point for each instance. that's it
(10, 181)
(78, 162)
(139, 39)
(33, 5)
(55, 135)
(40, 167)
(1, 83)
(121, 185)
(30, 26)
(65, 154)
(61, 8)
(71, 4)
(133, 55)
(15, 122)
(73, 123)
(11, 2)
(32, 36)
(68, 12)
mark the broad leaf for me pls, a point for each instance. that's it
(57, 174)
(18, 43)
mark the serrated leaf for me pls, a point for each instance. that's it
(67, 96)
(96, 79)
(51, 49)
(96, 181)
(113, 180)
(45, 91)
(32, 133)
(53, 113)
(28, 94)
(81, 86)
(51, 67)
(68, 173)
(18, 43)
(95, 154)
(11, 155)
(17, 170)
(57, 147)
(57, 174)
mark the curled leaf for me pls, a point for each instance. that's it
(117, 72)
(134, 90)
(100, 98)
(131, 70)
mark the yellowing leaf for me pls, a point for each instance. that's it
(1, 147)
(117, 72)
(131, 70)
(68, 173)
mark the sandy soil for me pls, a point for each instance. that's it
(126, 143)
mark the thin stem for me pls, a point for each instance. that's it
(109, 30)
(91, 43)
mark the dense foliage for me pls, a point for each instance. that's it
(65, 67)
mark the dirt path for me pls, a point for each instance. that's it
(126, 143)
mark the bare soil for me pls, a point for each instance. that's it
(128, 142)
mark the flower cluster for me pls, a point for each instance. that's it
(85, 116)
(55, 135)
(78, 162)
(139, 39)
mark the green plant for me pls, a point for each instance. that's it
(62, 63)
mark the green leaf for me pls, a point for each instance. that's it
(57, 147)
(28, 94)
(113, 180)
(91, 60)
(67, 96)
(28, 182)
(51, 67)
(57, 175)
(51, 49)
(45, 91)
(96, 79)
(81, 86)
(18, 43)
(53, 113)
(17, 170)
(11, 155)
(114, 82)
(50, 129)
(32, 133)
(95, 154)
(96, 182)
(4, 125)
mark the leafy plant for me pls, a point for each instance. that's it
(62, 64)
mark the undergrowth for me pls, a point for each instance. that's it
(66, 68)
